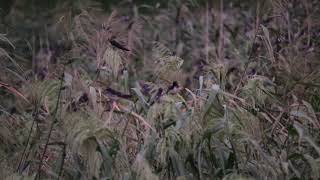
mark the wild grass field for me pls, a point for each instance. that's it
(152, 90)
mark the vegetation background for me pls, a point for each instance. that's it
(176, 89)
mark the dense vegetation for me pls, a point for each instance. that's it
(160, 89)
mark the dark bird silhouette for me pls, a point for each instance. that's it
(157, 96)
(116, 94)
(76, 104)
(173, 86)
(118, 45)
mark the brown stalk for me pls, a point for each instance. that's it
(221, 34)
(256, 29)
(207, 34)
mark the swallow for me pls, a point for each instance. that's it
(130, 25)
(114, 93)
(118, 45)
(76, 104)
(173, 86)
(157, 96)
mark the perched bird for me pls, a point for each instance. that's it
(116, 94)
(173, 87)
(118, 45)
(159, 94)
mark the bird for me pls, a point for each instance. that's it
(173, 87)
(118, 45)
(114, 94)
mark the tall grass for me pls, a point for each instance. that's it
(182, 90)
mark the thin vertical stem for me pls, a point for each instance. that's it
(54, 120)
(221, 34)
(207, 33)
